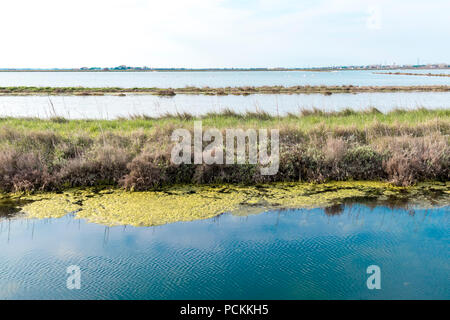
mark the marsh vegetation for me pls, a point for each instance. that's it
(402, 147)
(242, 90)
(429, 74)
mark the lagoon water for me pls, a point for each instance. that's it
(292, 254)
(111, 107)
(219, 79)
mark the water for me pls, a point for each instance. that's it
(293, 254)
(218, 79)
(110, 107)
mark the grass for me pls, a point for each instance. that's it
(402, 147)
(304, 120)
(326, 90)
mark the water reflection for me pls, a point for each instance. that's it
(335, 209)
(111, 107)
(10, 207)
(304, 253)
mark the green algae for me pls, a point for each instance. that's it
(187, 203)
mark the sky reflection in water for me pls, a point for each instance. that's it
(292, 254)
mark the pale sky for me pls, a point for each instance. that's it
(222, 33)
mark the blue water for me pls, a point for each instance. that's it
(293, 254)
(217, 79)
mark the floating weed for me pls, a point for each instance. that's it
(187, 203)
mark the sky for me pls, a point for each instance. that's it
(222, 33)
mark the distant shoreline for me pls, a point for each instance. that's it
(416, 74)
(163, 70)
(330, 69)
(243, 90)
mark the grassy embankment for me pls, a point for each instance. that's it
(402, 147)
(327, 90)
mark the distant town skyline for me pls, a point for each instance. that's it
(223, 33)
(144, 68)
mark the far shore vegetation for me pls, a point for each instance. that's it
(416, 74)
(401, 147)
(125, 68)
(244, 90)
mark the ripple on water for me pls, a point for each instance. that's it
(272, 255)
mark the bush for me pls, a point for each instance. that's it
(415, 159)
(22, 171)
(362, 163)
(104, 165)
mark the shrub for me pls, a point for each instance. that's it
(414, 159)
(22, 171)
(103, 165)
(362, 162)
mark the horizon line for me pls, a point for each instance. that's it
(143, 68)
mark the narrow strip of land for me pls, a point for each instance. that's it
(244, 90)
(402, 147)
(416, 74)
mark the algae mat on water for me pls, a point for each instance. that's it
(187, 203)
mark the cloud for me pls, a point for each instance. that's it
(223, 33)
(373, 21)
